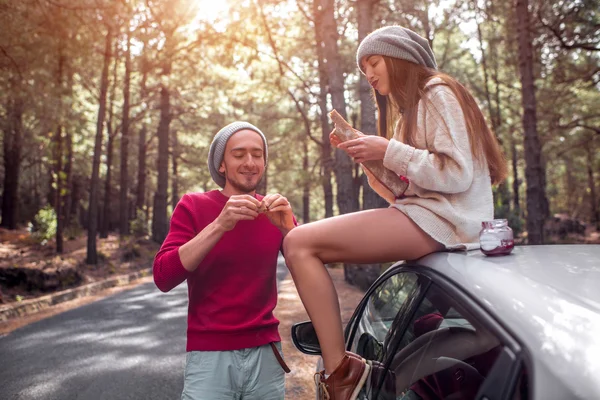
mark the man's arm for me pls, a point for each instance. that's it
(183, 250)
(193, 252)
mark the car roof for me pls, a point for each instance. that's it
(548, 296)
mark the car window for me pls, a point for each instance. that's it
(445, 352)
(379, 313)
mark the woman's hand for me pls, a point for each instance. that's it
(335, 140)
(365, 148)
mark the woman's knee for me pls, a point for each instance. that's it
(296, 244)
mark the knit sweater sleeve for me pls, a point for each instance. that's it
(447, 165)
(168, 270)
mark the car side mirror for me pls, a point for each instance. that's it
(305, 338)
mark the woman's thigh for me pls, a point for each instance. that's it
(378, 235)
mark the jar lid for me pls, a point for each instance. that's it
(495, 223)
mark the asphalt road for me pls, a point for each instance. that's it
(127, 346)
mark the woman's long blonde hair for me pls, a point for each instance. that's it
(408, 86)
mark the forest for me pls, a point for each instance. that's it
(108, 107)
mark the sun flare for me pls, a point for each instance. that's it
(211, 10)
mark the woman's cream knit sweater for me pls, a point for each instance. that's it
(450, 202)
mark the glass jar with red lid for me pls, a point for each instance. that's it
(496, 238)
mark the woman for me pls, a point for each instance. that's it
(442, 144)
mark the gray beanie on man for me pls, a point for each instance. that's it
(217, 148)
(397, 42)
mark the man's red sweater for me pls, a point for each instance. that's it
(233, 291)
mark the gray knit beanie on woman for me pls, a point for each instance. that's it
(217, 148)
(397, 42)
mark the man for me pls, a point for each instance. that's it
(225, 243)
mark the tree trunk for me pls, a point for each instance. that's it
(68, 192)
(515, 171)
(58, 203)
(108, 190)
(364, 275)
(160, 224)
(124, 181)
(305, 182)
(368, 124)
(74, 199)
(493, 113)
(570, 183)
(174, 182)
(58, 153)
(534, 171)
(140, 197)
(592, 185)
(13, 139)
(106, 220)
(326, 160)
(92, 253)
(346, 200)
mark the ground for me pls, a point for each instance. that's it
(299, 383)
(29, 269)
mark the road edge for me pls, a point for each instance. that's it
(32, 306)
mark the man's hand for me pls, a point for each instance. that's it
(279, 212)
(365, 148)
(238, 208)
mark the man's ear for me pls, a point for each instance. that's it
(222, 167)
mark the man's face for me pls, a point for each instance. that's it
(243, 162)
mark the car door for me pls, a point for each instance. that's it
(427, 340)
(448, 348)
(380, 312)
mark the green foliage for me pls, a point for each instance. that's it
(43, 227)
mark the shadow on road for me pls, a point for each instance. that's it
(127, 346)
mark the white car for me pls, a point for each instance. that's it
(460, 325)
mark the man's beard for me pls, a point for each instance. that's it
(243, 187)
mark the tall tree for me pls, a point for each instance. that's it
(592, 184)
(364, 275)
(92, 253)
(174, 165)
(58, 146)
(534, 171)
(160, 224)
(124, 181)
(326, 160)
(140, 198)
(13, 140)
(346, 200)
(111, 134)
(305, 182)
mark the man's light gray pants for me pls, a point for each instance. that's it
(246, 374)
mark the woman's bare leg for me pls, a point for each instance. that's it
(379, 235)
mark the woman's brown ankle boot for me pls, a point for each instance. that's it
(345, 381)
